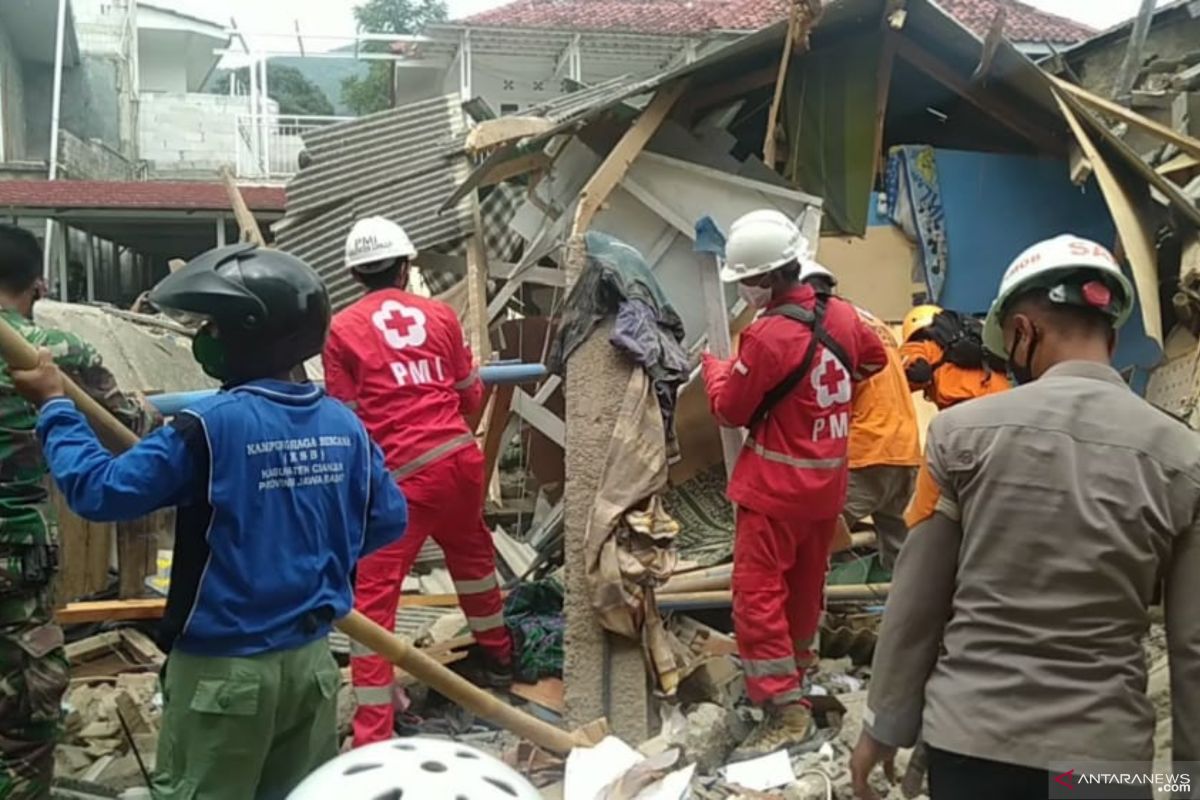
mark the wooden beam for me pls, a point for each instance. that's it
(785, 58)
(883, 88)
(991, 43)
(733, 89)
(497, 424)
(477, 276)
(516, 167)
(1081, 168)
(1187, 144)
(1000, 110)
(613, 169)
(1136, 239)
(241, 212)
(502, 130)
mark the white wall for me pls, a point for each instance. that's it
(189, 134)
(12, 102)
(161, 68)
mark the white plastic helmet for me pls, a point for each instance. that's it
(761, 242)
(1048, 265)
(429, 769)
(812, 269)
(373, 242)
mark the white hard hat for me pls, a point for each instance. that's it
(1075, 271)
(428, 769)
(375, 240)
(761, 242)
(812, 269)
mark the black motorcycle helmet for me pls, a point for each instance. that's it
(261, 311)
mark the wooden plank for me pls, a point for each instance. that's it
(785, 58)
(1081, 168)
(733, 89)
(137, 553)
(92, 646)
(497, 423)
(540, 417)
(1003, 112)
(110, 611)
(547, 693)
(516, 167)
(84, 551)
(502, 130)
(1186, 143)
(616, 164)
(241, 212)
(1137, 240)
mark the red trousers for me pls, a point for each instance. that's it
(445, 501)
(778, 595)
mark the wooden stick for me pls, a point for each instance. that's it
(1186, 143)
(861, 592)
(785, 58)
(425, 669)
(241, 212)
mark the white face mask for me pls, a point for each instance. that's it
(755, 296)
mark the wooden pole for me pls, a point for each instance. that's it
(241, 212)
(785, 58)
(1127, 74)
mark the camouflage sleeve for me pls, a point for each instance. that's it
(80, 361)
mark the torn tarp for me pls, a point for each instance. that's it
(617, 282)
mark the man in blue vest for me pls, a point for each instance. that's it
(279, 492)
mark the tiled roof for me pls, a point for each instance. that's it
(683, 17)
(159, 195)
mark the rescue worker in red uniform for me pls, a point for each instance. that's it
(402, 363)
(791, 385)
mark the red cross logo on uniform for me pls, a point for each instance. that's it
(830, 380)
(401, 325)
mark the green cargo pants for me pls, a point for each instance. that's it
(245, 728)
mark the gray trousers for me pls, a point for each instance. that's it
(882, 493)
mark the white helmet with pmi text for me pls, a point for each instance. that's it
(374, 242)
(424, 769)
(1075, 271)
(761, 242)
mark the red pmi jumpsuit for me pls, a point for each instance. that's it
(401, 362)
(789, 484)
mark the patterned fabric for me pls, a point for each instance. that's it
(33, 677)
(914, 201)
(705, 517)
(28, 523)
(502, 243)
(534, 613)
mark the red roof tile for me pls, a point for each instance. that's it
(159, 195)
(1024, 24)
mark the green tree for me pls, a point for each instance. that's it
(374, 91)
(286, 86)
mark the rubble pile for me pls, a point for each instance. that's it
(96, 748)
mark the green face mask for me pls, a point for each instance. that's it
(210, 355)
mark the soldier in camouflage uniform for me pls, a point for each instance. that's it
(33, 665)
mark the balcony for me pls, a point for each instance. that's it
(268, 148)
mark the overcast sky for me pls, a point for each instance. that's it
(335, 17)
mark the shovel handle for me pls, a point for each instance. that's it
(20, 354)
(458, 689)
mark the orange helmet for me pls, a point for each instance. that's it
(920, 317)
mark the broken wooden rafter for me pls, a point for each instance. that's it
(516, 167)
(616, 164)
(504, 130)
(785, 58)
(1002, 111)
(1187, 144)
(734, 89)
(991, 43)
(247, 224)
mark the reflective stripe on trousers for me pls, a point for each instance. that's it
(476, 587)
(429, 456)
(373, 695)
(485, 624)
(798, 463)
(763, 668)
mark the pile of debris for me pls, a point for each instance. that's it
(112, 707)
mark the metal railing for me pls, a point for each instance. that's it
(268, 147)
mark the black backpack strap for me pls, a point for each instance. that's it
(812, 319)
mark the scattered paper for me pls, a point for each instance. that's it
(675, 786)
(761, 774)
(590, 769)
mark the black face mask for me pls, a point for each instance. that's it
(1023, 373)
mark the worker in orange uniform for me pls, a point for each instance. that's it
(943, 355)
(790, 385)
(402, 363)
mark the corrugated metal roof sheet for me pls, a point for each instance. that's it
(401, 164)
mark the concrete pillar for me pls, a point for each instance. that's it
(605, 675)
(90, 266)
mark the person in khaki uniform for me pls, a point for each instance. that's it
(1045, 520)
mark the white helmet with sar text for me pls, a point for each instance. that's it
(1074, 271)
(428, 769)
(761, 242)
(374, 243)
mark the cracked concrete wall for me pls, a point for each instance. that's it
(604, 675)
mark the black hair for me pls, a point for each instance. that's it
(20, 259)
(387, 277)
(790, 271)
(1077, 319)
